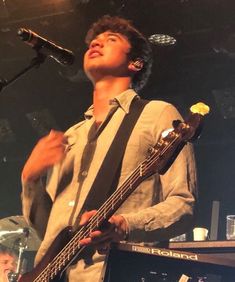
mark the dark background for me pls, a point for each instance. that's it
(199, 67)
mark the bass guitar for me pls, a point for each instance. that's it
(66, 248)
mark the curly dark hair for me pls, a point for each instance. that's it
(140, 47)
(6, 250)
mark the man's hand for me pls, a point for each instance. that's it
(115, 230)
(47, 152)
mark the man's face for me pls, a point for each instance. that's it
(107, 55)
(7, 263)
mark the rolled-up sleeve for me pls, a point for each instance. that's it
(29, 191)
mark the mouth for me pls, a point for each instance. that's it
(94, 54)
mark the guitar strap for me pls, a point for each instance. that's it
(106, 180)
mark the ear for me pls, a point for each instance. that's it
(136, 65)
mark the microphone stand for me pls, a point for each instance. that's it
(22, 245)
(35, 62)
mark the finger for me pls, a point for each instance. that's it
(47, 143)
(59, 140)
(90, 239)
(96, 234)
(121, 225)
(86, 216)
(56, 136)
(94, 238)
(101, 237)
(85, 241)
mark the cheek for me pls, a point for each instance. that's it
(85, 63)
(118, 58)
(85, 59)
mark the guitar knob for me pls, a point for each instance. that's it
(151, 150)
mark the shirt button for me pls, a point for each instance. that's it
(71, 203)
(84, 173)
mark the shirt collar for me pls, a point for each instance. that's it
(122, 100)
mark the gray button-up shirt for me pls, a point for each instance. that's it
(160, 208)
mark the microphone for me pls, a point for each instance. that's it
(46, 47)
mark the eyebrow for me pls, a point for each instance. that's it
(110, 33)
(114, 34)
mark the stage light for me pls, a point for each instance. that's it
(162, 39)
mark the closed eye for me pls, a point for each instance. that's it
(112, 38)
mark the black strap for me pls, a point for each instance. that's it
(107, 177)
(106, 180)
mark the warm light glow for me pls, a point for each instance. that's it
(200, 108)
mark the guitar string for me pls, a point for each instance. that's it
(68, 247)
(93, 222)
(107, 206)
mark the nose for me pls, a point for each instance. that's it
(96, 42)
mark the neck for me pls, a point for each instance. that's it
(104, 90)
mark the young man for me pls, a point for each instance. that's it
(7, 263)
(118, 61)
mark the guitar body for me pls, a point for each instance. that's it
(61, 240)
